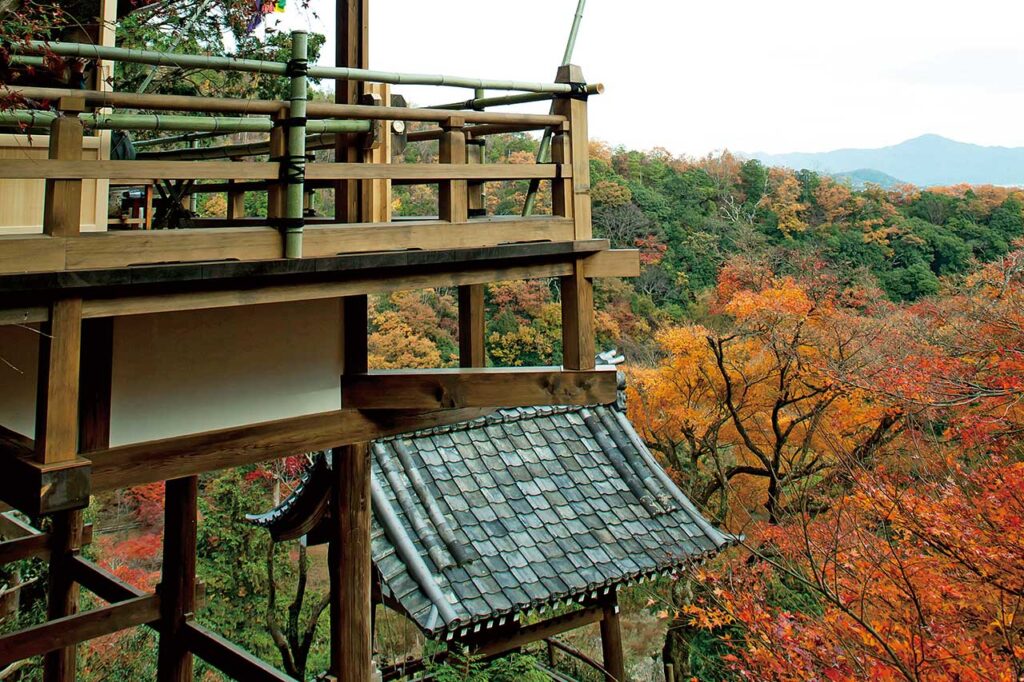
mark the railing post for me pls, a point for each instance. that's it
(62, 207)
(453, 197)
(574, 108)
(295, 166)
(278, 152)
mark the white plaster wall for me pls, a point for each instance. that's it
(181, 373)
(19, 358)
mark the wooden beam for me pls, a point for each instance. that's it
(472, 387)
(575, 112)
(76, 171)
(228, 658)
(102, 582)
(59, 664)
(611, 643)
(70, 630)
(349, 565)
(355, 331)
(453, 195)
(542, 630)
(178, 579)
(159, 460)
(35, 546)
(139, 305)
(94, 384)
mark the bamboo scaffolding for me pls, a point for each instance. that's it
(163, 122)
(170, 59)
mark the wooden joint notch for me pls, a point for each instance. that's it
(38, 489)
(477, 387)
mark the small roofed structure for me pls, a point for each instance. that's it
(522, 510)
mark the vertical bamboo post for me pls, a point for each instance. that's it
(577, 289)
(349, 558)
(57, 419)
(178, 578)
(295, 166)
(611, 642)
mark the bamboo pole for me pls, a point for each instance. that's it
(175, 139)
(220, 124)
(545, 140)
(296, 162)
(127, 100)
(508, 100)
(176, 60)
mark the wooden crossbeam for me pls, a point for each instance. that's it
(477, 387)
(230, 170)
(159, 460)
(70, 630)
(40, 253)
(32, 546)
(102, 582)
(39, 489)
(542, 630)
(228, 658)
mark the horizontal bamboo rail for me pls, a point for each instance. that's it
(508, 100)
(169, 59)
(188, 123)
(216, 105)
(177, 139)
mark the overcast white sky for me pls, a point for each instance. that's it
(747, 75)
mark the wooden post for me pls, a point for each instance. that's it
(611, 642)
(352, 50)
(575, 109)
(472, 349)
(236, 202)
(453, 196)
(375, 195)
(350, 570)
(62, 205)
(178, 579)
(278, 151)
(57, 441)
(577, 290)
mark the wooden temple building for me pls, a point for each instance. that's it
(134, 356)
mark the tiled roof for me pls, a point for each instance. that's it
(515, 511)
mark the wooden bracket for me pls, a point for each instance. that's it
(38, 489)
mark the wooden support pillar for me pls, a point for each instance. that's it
(375, 195)
(352, 50)
(236, 202)
(350, 570)
(178, 579)
(575, 109)
(578, 320)
(611, 642)
(472, 349)
(278, 151)
(57, 389)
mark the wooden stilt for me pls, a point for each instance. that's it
(611, 643)
(352, 50)
(349, 559)
(178, 580)
(472, 350)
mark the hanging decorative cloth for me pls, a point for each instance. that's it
(262, 9)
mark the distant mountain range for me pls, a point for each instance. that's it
(926, 160)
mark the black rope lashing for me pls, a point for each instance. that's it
(296, 67)
(293, 169)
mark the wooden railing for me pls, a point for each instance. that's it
(284, 233)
